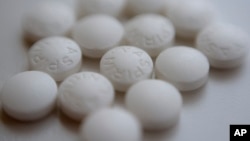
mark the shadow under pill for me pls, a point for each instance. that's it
(8, 120)
(24, 127)
(192, 97)
(184, 42)
(27, 41)
(69, 123)
(119, 99)
(222, 75)
(160, 135)
(92, 65)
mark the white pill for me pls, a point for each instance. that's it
(185, 67)
(145, 6)
(156, 103)
(29, 95)
(225, 45)
(48, 19)
(111, 125)
(125, 65)
(57, 56)
(83, 93)
(97, 34)
(108, 7)
(152, 33)
(190, 16)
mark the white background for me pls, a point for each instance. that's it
(207, 113)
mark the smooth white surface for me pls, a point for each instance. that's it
(189, 17)
(185, 67)
(48, 19)
(206, 113)
(96, 34)
(156, 104)
(225, 45)
(126, 65)
(111, 125)
(150, 32)
(83, 93)
(29, 95)
(57, 56)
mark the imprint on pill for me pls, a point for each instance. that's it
(57, 56)
(120, 73)
(150, 32)
(126, 65)
(83, 93)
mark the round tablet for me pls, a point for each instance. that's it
(152, 33)
(225, 45)
(184, 67)
(145, 6)
(83, 93)
(125, 65)
(48, 19)
(111, 125)
(190, 17)
(57, 56)
(97, 34)
(108, 7)
(29, 95)
(156, 103)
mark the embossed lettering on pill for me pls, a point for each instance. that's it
(56, 56)
(125, 66)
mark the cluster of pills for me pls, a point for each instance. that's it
(126, 51)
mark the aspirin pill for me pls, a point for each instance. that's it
(111, 125)
(108, 7)
(225, 45)
(84, 93)
(156, 103)
(190, 16)
(57, 56)
(48, 19)
(125, 65)
(185, 67)
(97, 34)
(29, 95)
(145, 6)
(152, 33)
